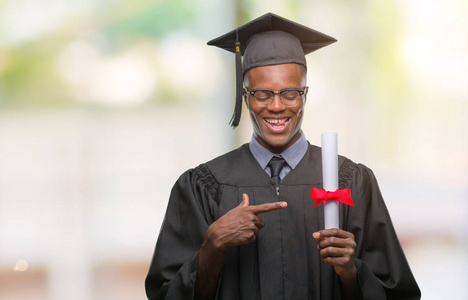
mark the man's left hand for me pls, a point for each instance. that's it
(337, 248)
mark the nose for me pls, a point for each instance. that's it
(276, 104)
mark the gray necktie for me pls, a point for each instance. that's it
(276, 164)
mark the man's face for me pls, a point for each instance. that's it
(276, 127)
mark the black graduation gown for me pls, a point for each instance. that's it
(283, 263)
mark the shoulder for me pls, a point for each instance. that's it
(202, 177)
(346, 167)
(222, 162)
(356, 175)
(349, 172)
(238, 167)
(211, 174)
(365, 190)
(230, 159)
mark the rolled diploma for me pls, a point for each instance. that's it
(330, 177)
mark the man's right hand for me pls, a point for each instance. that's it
(240, 225)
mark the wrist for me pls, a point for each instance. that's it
(349, 274)
(212, 242)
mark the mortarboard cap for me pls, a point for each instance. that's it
(268, 40)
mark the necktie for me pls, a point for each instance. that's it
(276, 164)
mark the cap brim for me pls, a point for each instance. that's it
(310, 39)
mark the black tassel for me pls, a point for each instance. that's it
(239, 87)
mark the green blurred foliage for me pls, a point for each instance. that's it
(28, 71)
(153, 19)
(29, 78)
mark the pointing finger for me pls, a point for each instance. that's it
(267, 207)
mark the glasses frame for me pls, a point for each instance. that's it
(302, 91)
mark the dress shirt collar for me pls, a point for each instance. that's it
(291, 155)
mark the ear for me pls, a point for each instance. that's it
(244, 94)
(306, 90)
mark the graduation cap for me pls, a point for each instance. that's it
(268, 40)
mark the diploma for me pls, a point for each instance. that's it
(330, 177)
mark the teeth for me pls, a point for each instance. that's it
(275, 121)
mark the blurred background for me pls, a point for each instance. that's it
(103, 104)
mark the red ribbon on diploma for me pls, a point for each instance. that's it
(343, 196)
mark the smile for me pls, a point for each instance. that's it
(276, 121)
(277, 124)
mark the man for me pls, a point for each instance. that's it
(243, 226)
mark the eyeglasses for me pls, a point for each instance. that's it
(288, 97)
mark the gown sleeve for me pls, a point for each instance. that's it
(190, 209)
(383, 271)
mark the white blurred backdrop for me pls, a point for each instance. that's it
(104, 104)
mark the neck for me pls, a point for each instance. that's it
(278, 149)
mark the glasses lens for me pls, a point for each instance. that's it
(290, 95)
(263, 95)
